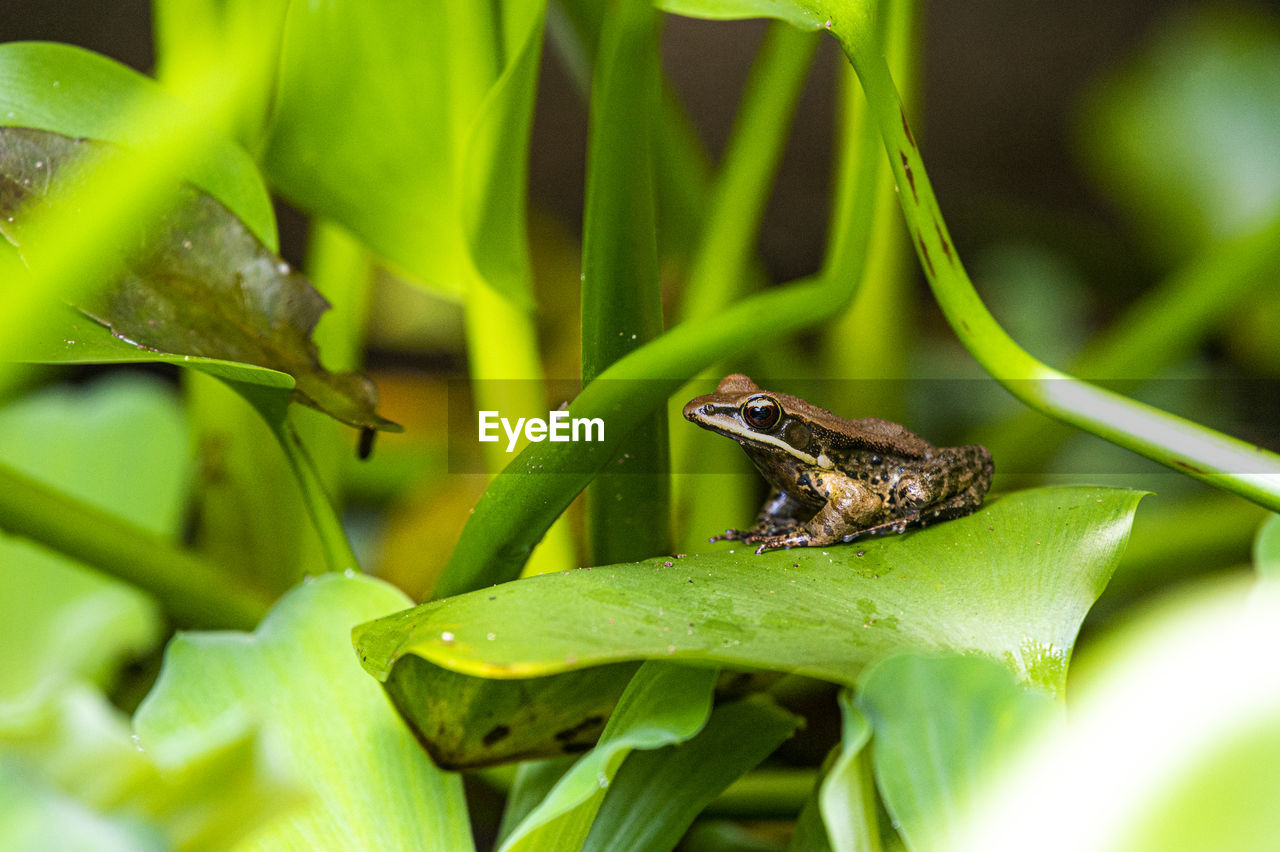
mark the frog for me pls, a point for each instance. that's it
(834, 480)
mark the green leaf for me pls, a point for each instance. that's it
(80, 94)
(1171, 741)
(1184, 134)
(468, 722)
(847, 795)
(657, 794)
(296, 680)
(662, 705)
(1266, 549)
(200, 285)
(942, 725)
(120, 445)
(1012, 582)
(408, 124)
(805, 14)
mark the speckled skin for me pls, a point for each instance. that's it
(833, 479)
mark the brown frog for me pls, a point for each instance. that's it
(833, 479)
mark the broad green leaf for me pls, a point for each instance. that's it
(805, 14)
(847, 795)
(657, 794)
(80, 94)
(662, 705)
(1266, 549)
(941, 727)
(1184, 135)
(1171, 742)
(408, 124)
(468, 722)
(295, 679)
(201, 285)
(1012, 582)
(121, 445)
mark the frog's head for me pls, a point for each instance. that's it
(760, 419)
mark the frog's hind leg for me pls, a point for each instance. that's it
(957, 506)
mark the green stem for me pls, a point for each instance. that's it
(628, 507)
(1181, 444)
(333, 539)
(191, 590)
(867, 342)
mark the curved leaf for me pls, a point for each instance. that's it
(942, 726)
(662, 705)
(846, 796)
(200, 285)
(657, 794)
(294, 677)
(1012, 581)
(78, 93)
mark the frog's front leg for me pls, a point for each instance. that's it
(850, 506)
(780, 514)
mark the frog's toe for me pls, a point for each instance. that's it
(770, 542)
(729, 535)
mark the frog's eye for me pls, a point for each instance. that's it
(761, 412)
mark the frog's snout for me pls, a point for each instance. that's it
(695, 407)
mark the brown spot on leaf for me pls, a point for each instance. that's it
(946, 246)
(924, 252)
(906, 127)
(498, 734)
(585, 726)
(911, 179)
(1189, 467)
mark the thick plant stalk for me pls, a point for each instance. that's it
(194, 592)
